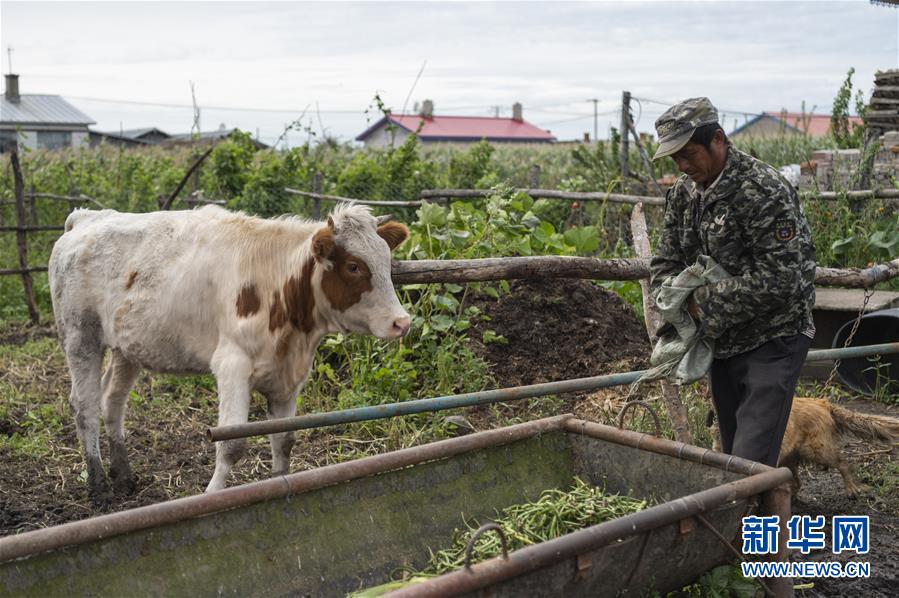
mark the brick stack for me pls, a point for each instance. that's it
(828, 170)
(883, 111)
(886, 161)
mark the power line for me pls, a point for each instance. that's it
(567, 120)
(229, 108)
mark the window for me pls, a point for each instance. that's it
(7, 140)
(54, 139)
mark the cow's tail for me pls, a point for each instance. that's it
(82, 215)
(873, 427)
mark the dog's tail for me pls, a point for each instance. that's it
(873, 427)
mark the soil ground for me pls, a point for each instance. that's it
(553, 330)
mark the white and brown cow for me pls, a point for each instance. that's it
(215, 291)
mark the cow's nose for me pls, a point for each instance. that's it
(401, 325)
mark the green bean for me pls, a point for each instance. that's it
(554, 513)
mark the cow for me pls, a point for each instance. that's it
(210, 290)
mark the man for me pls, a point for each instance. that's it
(742, 213)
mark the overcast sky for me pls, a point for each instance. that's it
(274, 60)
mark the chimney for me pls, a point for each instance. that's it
(516, 112)
(12, 88)
(586, 137)
(427, 109)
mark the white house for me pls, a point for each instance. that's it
(39, 121)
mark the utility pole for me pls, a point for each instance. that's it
(9, 58)
(595, 118)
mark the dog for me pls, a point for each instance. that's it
(813, 436)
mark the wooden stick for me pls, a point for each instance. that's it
(171, 198)
(646, 162)
(432, 194)
(623, 153)
(19, 270)
(677, 413)
(551, 266)
(316, 200)
(365, 202)
(30, 229)
(21, 240)
(510, 268)
(857, 277)
(860, 194)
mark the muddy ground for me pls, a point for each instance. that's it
(553, 330)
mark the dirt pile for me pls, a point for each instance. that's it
(559, 329)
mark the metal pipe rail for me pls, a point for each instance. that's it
(358, 414)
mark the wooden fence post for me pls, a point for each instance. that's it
(646, 161)
(623, 157)
(21, 240)
(677, 413)
(534, 177)
(32, 205)
(73, 188)
(317, 201)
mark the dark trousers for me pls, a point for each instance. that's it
(753, 395)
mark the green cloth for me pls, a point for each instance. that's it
(683, 352)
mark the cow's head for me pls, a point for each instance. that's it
(353, 277)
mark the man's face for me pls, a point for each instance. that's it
(701, 164)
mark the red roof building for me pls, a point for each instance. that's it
(454, 129)
(773, 124)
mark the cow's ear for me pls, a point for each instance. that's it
(394, 233)
(323, 246)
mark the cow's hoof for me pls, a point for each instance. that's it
(123, 481)
(100, 492)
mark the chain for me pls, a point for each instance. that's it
(861, 312)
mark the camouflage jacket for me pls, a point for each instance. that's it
(751, 223)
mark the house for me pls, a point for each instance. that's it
(39, 121)
(394, 128)
(150, 135)
(206, 138)
(776, 124)
(97, 138)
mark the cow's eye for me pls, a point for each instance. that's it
(352, 267)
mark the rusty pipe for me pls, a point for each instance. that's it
(358, 414)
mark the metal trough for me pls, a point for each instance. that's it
(328, 531)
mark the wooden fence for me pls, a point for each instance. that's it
(25, 203)
(430, 270)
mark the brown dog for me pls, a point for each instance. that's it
(813, 436)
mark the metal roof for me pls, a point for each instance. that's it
(465, 128)
(816, 125)
(138, 133)
(41, 109)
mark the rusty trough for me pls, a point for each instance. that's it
(343, 527)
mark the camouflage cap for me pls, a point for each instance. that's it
(677, 124)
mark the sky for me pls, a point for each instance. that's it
(262, 65)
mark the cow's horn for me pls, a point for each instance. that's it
(384, 219)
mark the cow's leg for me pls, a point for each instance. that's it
(117, 382)
(232, 369)
(84, 354)
(281, 405)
